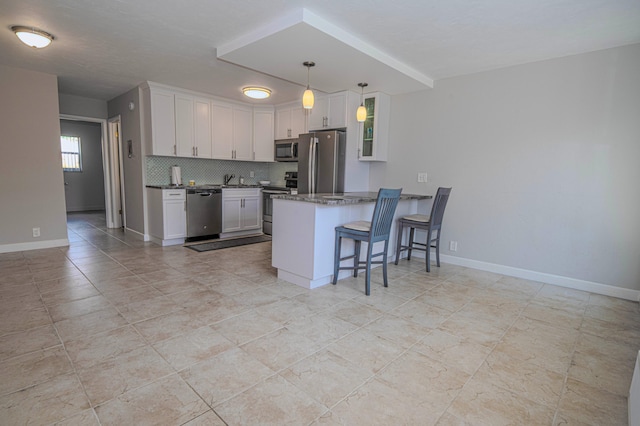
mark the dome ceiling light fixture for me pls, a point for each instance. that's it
(256, 92)
(32, 37)
(307, 97)
(361, 113)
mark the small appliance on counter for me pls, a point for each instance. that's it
(176, 176)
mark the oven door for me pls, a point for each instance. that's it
(267, 209)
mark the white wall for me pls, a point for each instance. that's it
(81, 106)
(544, 161)
(32, 191)
(85, 190)
(134, 167)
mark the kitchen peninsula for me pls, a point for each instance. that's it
(304, 231)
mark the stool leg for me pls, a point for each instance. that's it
(410, 244)
(428, 256)
(356, 259)
(399, 241)
(438, 249)
(367, 288)
(384, 263)
(336, 257)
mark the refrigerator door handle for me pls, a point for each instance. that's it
(312, 164)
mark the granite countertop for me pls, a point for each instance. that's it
(207, 186)
(344, 199)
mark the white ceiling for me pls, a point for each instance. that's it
(103, 49)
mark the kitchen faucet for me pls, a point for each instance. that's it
(227, 178)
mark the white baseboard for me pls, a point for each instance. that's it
(163, 243)
(592, 287)
(8, 248)
(137, 235)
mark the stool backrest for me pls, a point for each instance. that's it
(383, 213)
(437, 210)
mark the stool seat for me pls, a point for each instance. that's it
(377, 230)
(417, 218)
(432, 224)
(361, 225)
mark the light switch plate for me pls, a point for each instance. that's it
(422, 177)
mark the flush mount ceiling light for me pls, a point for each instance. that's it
(307, 97)
(361, 113)
(256, 92)
(32, 37)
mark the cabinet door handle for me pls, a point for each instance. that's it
(175, 151)
(196, 151)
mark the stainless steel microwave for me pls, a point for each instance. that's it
(286, 150)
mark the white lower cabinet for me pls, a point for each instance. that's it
(167, 215)
(241, 210)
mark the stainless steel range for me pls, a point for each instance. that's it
(291, 179)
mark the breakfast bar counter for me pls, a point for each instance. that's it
(304, 231)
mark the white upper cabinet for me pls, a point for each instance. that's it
(180, 123)
(242, 133)
(160, 121)
(184, 126)
(263, 134)
(290, 121)
(232, 131)
(222, 130)
(202, 128)
(329, 112)
(374, 132)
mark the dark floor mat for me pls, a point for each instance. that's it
(235, 242)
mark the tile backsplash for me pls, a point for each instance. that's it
(206, 171)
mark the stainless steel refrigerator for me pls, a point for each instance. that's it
(321, 160)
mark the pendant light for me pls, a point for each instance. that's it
(361, 113)
(32, 37)
(307, 97)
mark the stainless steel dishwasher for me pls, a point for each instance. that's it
(204, 212)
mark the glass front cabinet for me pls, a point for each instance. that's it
(374, 132)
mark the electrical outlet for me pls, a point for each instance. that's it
(453, 246)
(36, 232)
(252, 174)
(422, 177)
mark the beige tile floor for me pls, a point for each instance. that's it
(115, 331)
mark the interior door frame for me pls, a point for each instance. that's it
(107, 169)
(117, 170)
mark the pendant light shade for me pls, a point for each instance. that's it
(32, 37)
(307, 97)
(361, 113)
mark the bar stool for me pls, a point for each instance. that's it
(431, 224)
(378, 229)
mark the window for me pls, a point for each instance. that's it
(71, 158)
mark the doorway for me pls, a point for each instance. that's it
(110, 148)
